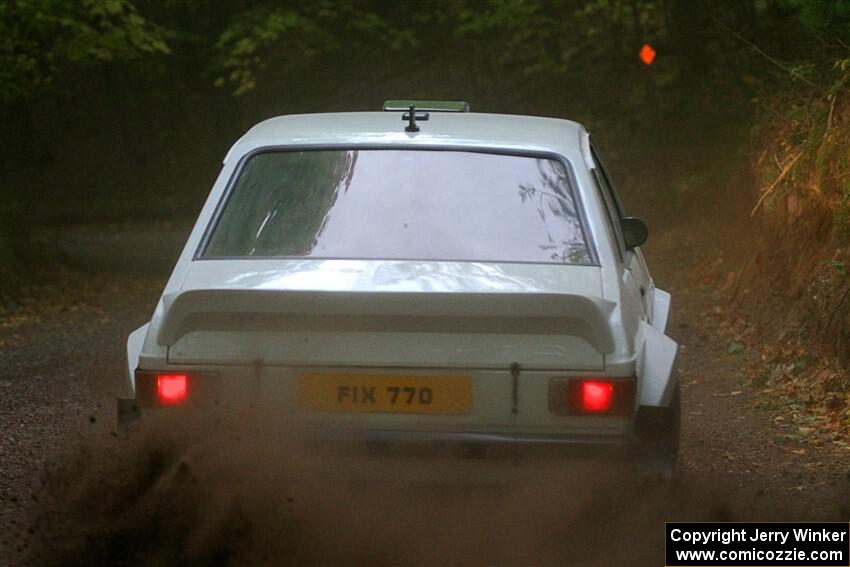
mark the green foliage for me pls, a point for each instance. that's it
(244, 46)
(514, 44)
(824, 18)
(735, 347)
(527, 33)
(292, 35)
(141, 138)
(38, 37)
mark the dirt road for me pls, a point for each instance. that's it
(72, 492)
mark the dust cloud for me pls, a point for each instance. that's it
(251, 491)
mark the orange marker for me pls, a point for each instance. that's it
(647, 54)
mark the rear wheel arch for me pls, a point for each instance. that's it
(661, 303)
(656, 367)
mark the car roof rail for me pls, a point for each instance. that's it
(426, 105)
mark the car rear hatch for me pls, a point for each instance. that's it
(387, 314)
(331, 340)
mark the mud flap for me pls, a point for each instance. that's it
(655, 367)
(658, 429)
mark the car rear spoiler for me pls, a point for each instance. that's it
(287, 310)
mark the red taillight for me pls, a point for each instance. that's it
(172, 389)
(592, 396)
(596, 397)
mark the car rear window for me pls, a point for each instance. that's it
(401, 204)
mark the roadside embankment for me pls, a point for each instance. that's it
(795, 285)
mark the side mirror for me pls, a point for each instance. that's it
(635, 232)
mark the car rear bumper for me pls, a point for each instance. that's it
(469, 444)
(477, 458)
(384, 455)
(449, 438)
(388, 440)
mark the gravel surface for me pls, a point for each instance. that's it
(59, 375)
(64, 474)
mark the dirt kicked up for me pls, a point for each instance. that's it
(245, 497)
(243, 491)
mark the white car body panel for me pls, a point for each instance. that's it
(661, 303)
(534, 301)
(655, 366)
(387, 329)
(134, 347)
(609, 329)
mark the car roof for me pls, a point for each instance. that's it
(442, 129)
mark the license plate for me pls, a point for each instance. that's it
(385, 393)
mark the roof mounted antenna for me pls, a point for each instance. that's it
(412, 117)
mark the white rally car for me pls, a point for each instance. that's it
(421, 274)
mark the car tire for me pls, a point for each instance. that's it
(659, 431)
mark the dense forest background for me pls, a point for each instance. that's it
(123, 109)
(734, 144)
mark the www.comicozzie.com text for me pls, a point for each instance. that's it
(743, 534)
